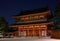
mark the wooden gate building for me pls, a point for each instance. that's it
(33, 23)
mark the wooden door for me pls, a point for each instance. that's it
(43, 33)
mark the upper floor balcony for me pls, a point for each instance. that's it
(30, 21)
(36, 16)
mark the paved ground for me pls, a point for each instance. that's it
(28, 39)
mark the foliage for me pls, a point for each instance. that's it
(57, 11)
(3, 25)
(57, 16)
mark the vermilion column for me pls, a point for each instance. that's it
(19, 32)
(39, 33)
(33, 32)
(27, 32)
(46, 32)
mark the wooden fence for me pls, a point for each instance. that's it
(55, 34)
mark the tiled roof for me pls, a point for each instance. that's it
(33, 11)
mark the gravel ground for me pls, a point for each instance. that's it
(28, 39)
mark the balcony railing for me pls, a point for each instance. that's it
(41, 20)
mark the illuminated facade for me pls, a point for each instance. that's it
(33, 23)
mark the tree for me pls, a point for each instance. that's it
(3, 25)
(57, 15)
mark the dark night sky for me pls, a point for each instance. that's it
(13, 7)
